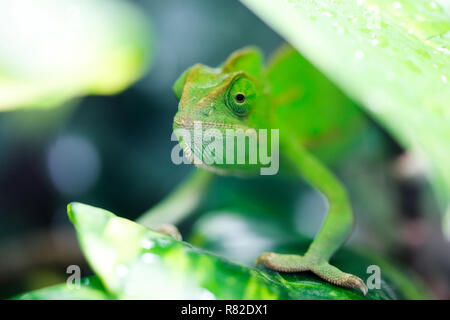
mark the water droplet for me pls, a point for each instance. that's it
(121, 270)
(397, 5)
(149, 257)
(359, 54)
(340, 29)
(433, 5)
(147, 244)
(445, 50)
(437, 66)
(378, 40)
(163, 243)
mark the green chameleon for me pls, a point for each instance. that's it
(287, 94)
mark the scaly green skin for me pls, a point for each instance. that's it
(286, 96)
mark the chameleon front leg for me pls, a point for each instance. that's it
(333, 233)
(178, 205)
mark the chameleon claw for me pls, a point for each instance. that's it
(364, 289)
(354, 282)
(170, 230)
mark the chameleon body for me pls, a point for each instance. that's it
(287, 94)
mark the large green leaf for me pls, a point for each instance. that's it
(90, 289)
(53, 50)
(135, 262)
(393, 56)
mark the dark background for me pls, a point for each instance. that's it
(114, 152)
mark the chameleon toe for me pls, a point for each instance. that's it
(282, 262)
(335, 276)
(355, 282)
(170, 230)
(324, 270)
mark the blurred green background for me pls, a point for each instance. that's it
(114, 152)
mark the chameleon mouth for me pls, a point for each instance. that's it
(197, 151)
(188, 146)
(187, 123)
(190, 155)
(187, 151)
(183, 123)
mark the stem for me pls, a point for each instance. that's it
(180, 203)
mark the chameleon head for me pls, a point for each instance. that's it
(214, 103)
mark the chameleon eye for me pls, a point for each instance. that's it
(240, 98)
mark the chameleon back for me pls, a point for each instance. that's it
(306, 104)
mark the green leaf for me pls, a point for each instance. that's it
(54, 50)
(136, 263)
(90, 289)
(241, 235)
(393, 57)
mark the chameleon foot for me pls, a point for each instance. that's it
(296, 263)
(170, 230)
